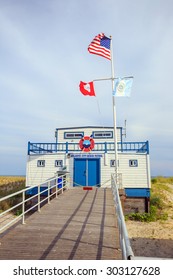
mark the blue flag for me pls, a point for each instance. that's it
(123, 87)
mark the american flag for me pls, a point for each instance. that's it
(100, 46)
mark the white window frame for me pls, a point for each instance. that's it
(112, 163)
(73, 135)
(102, 134)
(59, 163)
(41, 163)
(133, 163)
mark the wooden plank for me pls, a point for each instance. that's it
(77, 225)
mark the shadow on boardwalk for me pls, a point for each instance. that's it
(77, 225)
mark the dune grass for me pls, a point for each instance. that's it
(8, 185)
(4, 180)
(161, 203)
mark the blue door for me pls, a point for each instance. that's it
(86, 172)
(79, 172)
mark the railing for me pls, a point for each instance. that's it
(43, 148)
(38, 194)
(120, 180)
(127, 252)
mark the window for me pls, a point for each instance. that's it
(102, 134)
(40, 163)
(73, 135)
(58, 163)
(133, 163)
(112, 163)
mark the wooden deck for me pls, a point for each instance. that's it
(79, 224)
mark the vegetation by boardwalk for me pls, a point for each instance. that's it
(77, 225)
(9, 185)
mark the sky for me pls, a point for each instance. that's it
(44, 56)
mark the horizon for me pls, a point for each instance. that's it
(44, 57)
(152, 176)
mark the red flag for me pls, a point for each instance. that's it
(87, 88)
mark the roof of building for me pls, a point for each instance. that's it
(89, 126)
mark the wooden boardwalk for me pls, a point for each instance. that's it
(79, 224)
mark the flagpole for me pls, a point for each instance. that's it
(115, 78)
(114, 113)
(102, 79)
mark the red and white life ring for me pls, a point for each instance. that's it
(86, 144)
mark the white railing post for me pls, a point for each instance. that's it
(56, 181)
(23, 207)
(48, 192)
(124, 239)
(62, 183)
(29, 199)
(39, 209)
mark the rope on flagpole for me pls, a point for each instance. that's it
(98, 106)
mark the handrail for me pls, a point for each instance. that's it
(43, 148)
(50, 187)
(127, 252)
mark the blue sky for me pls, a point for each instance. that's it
(43, 57)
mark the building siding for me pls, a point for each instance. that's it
(87, 132)
(131, 176)
(135, 179)
(37, 175)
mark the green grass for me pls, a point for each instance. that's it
(5, 180)
(159, 205)
(8, 185)
(162, 180)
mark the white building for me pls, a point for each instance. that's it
(87, 153)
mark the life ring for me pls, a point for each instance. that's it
(86, 144)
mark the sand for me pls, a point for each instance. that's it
(154, 239)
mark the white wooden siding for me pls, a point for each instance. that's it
(132, 177)
(37, 175)
(87, 132)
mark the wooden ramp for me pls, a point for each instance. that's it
(79, 224)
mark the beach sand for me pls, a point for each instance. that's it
(154, 239)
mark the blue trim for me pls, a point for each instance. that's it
(121, 134)
(66, 147)
(85, 155)
(147, 142)
(56, 135)
(44, 148)
(137, 192)
(28, 148)
(74, 132)
(102, 132)
(106, 149)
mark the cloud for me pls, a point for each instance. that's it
(44, 56)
